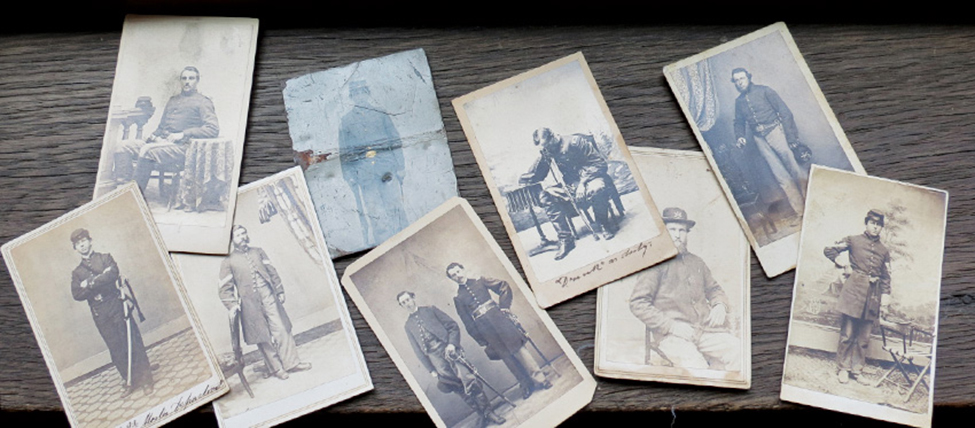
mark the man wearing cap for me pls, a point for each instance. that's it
(865, 292)
(581, 175)
(492, 325)
(762, 115)
(250, 284)
(187, 115)
(435, 339)
(371, 155)
(96, 280)
(684, 308)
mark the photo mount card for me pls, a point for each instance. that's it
(562, 179)
(463, 328)
(638, 335)
(371, 141)
(319, 358)
(866, 298)
(762, 120)
(133, 355)
(177, 122)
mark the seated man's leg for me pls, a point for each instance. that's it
(559, 211)
(125, 156)
(595, 193)
(682, 352)
(721, 347)
(153, 156)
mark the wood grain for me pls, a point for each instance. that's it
(902, 93)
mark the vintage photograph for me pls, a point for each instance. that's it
(108, 311)
(371, 141)
(686, 319)
(273, 310)
(864, 326)
(462, 327)
(762, 120)
(176, 123)
(561, 176)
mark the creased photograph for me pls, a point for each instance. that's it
(274, 312)
(371, 141)
(562, 179)
(762, 121)
(864, 326)
(109, 313)
(463, 328)
(686, 319)
(177, 120)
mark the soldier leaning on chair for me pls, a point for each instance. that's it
(95, 280)
(865, 292)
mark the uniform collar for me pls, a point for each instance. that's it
(872, 238)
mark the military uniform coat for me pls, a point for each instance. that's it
(680, 289)
(491, 328)
(240, 271)
(192, 114)
(868, 258)
(429, 322)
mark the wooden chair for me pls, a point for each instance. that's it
(900, 340)
(234, 363)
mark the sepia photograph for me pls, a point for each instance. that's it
(762, 121)
(371, 141)
(273, 310)
(864, 325)
(562, 179)
(463, 329)
(109, 315)
(176, 123)
(686, 319)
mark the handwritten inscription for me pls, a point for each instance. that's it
(639, 250)
(186, 400)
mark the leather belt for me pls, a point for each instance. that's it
(483, 309)
(764, 129)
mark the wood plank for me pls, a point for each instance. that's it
(902, 93)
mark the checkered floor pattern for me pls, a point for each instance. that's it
(177, 365)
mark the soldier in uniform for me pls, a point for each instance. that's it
(435, 339)
(250, 284)
(371, 156)
(762, 115)
(584, 171)
(865, 292)
(187, 115)
(95, 280)
(492, 326)
(684, 308)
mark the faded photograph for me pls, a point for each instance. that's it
(456, 319)
(370, 139)
(176, 123)
(760, 116)
(863, 331)
(686, 319)
(273, 311)
(109, 316)
(562, 179)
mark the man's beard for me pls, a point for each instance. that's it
(681, 248)
(243, 245)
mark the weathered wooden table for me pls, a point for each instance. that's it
(902, 93)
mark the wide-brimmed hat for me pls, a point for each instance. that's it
(78, 235)
(875, 215)
(677, 215)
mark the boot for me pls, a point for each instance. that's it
(487, 412)
(565, 246)
(143, 170)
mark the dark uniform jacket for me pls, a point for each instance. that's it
(758, 109)
(868, 258)
(578, 160)
(483, 318)
(102, 293)
(192, 114)
(237, 273)
(680, 289)
(426, 323)
(370, 148)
